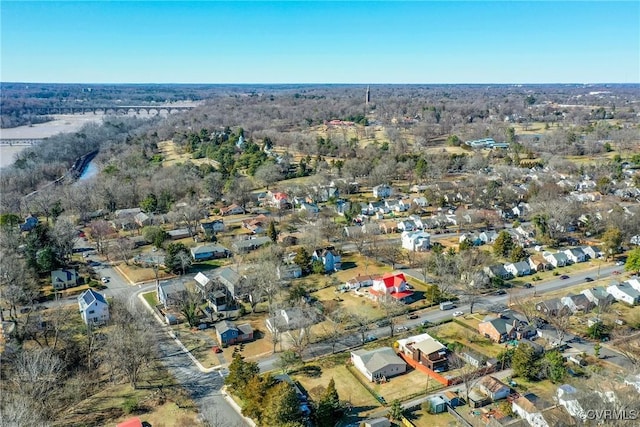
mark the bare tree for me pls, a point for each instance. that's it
(64, 235)
(629, 346)
(123, 248)
(468, 374)
(560, 323)
(37, 375)
(99, 230)
(392, 308)
(362, 323)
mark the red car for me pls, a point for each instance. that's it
(216, 349)
(615, 273)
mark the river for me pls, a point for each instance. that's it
(62, 123)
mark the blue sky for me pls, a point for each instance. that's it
(320, 42)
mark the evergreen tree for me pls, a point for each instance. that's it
(518, 254)
(255, 392)
(329, 410)
(633, 261)
(272, 232)
(503, 244)
(282, 406)
(524, 363)
(554, 366)
(395, 412)
(303, 259)
(240, 373)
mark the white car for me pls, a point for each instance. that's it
(457, 313)
(104, 280)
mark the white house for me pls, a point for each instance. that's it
(379, 363)
(416, 240)
(558, 259)
(94, 308)
(406, 225)
(625, 293)
(598, 296)
(417, 221)
(568, 397)
(575, 255)
(635, 284)
(520, 268)
(421, 201)
(382, 191)
(527, 410)
(392, 285)
(360, 282)
(289, 319)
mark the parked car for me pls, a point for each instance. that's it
(104, 279)
(412, 316)
(370, 338)
(216, 349)
(619, 263)
(588, 279)
(615, 273)
(500, 292)
(457, 313)
(401, 328)
(426, 323)
(564, 277)
(382, 323)
(528, 285)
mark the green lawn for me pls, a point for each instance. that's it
(150, 298)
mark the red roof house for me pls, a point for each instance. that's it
(393, 285)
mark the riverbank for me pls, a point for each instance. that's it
(62, 123)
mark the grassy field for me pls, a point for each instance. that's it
(422, 418)
(137, 274)
(171, 155)
(150, 298)
(348, 387)
(453, 332)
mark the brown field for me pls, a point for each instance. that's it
(136, 274)
(421, 418)
(348, 387)
(171, 155)
(161, 402)
(454, 332)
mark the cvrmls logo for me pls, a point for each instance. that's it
(612, 414)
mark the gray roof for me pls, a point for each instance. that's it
(224, 326)
(251, 243)
(63, 275)
(208, 248)
(90, 296)
(172, 287)
(377, 359)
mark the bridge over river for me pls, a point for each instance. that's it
(112, 109)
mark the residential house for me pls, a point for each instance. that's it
(573, 401)
(522, 210)
(342, 207)
(392, 285)
(489, 236)
(635, 283)
(576, 303)
(417, 221)
(377, 207)
(212, 227)
(142, 219)
(330, 258)
(388, 227)
(559, 259)
(598, 296)
(94, 307)
(360, 281)
(592, 252)
(551, 307)
(278, 200)
(497, 270)
(575, 255)
(248, 245)
(494, 388)
(473, 358)
(474, 239)
(171, 293)
(538, 263)
(382, 191)
(228, 333)
(30, 222)
(425, 350)
(212, 251)
(232, 209)
(230, 278)
(498, 330)
(379, 363)
(126, 213)
(406, 225)
(64, 278)
(420, 201)
(525, 407)
(203, 283)
(518, 269)
(257, 225)
(180, 233)
(310, 208)
(417, 241)
(289, 319)
(289, 271)
(624, 292)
